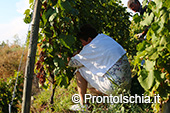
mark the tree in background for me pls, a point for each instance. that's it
(10, 56)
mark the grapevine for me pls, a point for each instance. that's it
(155, 50)
(60, 21)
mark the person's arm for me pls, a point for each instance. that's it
(142, 10)
(145, 31)
(142, 35)
(75, 63)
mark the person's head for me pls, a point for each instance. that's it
(134, 5)
(87, 34)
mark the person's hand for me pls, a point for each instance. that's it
(140, 36)
(76, 52)
(68, 59)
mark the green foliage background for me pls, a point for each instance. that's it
(6, 93)
(155, 50)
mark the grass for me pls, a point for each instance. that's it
(62, 103)
(62, 99)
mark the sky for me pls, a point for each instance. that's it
(11, 20)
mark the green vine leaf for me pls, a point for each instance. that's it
(67, 40)
(148, 19)
(168, 47)
(146, 79)
(52, 17)
(65, 5)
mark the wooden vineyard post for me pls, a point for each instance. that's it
(29, 70)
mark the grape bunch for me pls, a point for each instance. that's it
(41, 71)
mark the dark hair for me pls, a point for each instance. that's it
(87, 31)
(130, 2)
